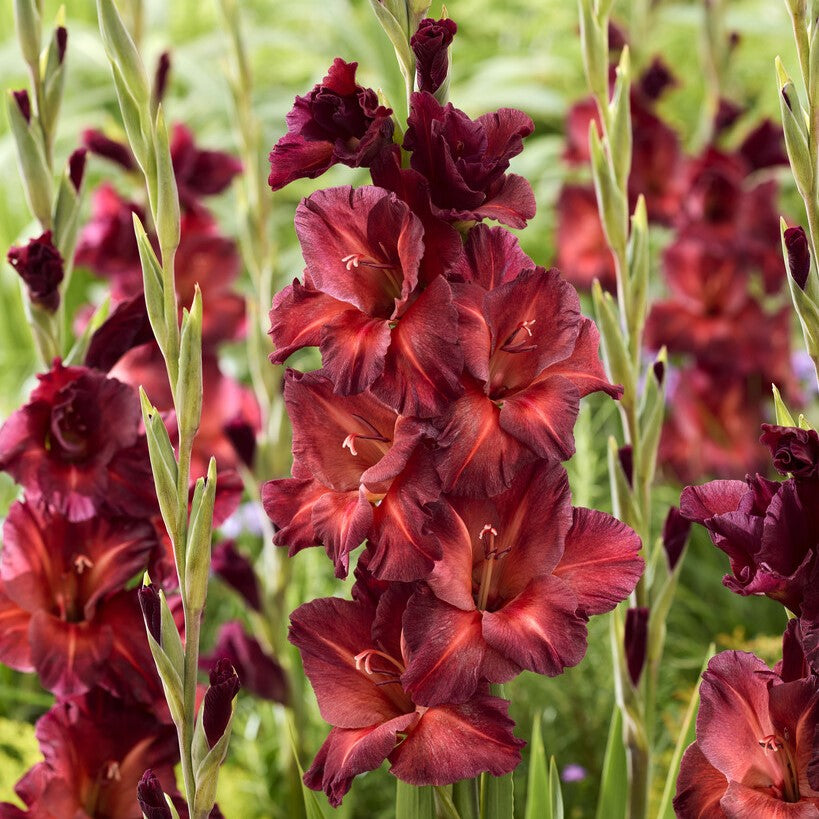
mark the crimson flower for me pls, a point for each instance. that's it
(361, 304)
(40, 266)
(755, 735)
(199, 172)
(95, 752)
(351, 452)
(465, 161)
(338, 121)
(768, 530)
(354, 655)
(519, 576)
(529, 358)
(63, 605)
(233, 568)
(794, 451)
(76, 445)
(796, 243)
(430, 44)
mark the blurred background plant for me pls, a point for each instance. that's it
(522, 53)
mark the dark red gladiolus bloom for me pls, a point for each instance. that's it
(430, 44)
(768, 530)
(360, 302)
(656, 80)
(199, 172)
(675, 534)
(794, 451)
(111, 149)
(258, 672)
(349, 453)
(519, 576)
(338, 121)
(64, 610)
(764, 147)
(241, 434)
(76, 446)
(636, 642)
(466, 161)
(354, 655)
(754, 743)
(796, 243)
(237, 571)
(582, 250)
(40, 266)
(529, 359)
(728, 112)
(95, 752)
(151, 797)
(217, 707)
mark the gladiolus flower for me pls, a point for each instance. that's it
(151, 797)
(217, 707)
(794, 451)
(338, 121)
(796, 243)
(430, 44)
(40, 266)
(232, 567)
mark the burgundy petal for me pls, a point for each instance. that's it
(700, 786)
(293, 157)
(492, 257)
(341, 521)
(353, 347)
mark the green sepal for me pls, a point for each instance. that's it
(614, 344)
(28, 23)
(805, 302)
(139, 138)
(803, 422)
(171, 681)
(34, 170)
(80, 347)
(394, 18)
(206, 762)
(783, 414)
(613, 794)
(639, 265)
(620, 118)
(167, 198)
(152, 284)
(200, 530)
(622, 494)
(168, 632)
(123, 53)
(65, 217)
(796, 133)
(611, 200)
(555, 803)
(594, 42)
(164, 468)
(189, 380)
(652, 410)
(53, 75)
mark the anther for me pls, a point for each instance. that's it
(81, 563)
(349, 443)
(352, 260)
(770, 743)
(112, 771)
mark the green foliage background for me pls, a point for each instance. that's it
(522, 53)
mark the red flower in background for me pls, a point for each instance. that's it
(95, 754)
(353, 654)
(40, 266)
(755, 735)
(76, 446)
(338, 121)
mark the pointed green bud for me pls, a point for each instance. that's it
(28, 23)
(639, 266)
(803, 422)
(200, 530)
(611, 200)
(34, 170)
(122, 52)
(167, 198)
(614, 345)
(594, 42)
(394, 18)
(66, 213)
(620, 119)
(652, 409)
(783, 414)
(136, 128)
(796, 133)
(53, 75)
(163, 466)
(152, 283)
(189, 383)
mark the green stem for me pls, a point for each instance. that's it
(465, 798)
(193, 624)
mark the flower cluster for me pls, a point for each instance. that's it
(756, 749)
(452, 370)
(723, 269)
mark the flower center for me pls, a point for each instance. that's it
(82, 562)
(365, 661)
(379, 441)
(516, 343)
(491, 555)
(776, 748)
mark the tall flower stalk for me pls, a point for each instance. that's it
(203, 736)
(638, 635)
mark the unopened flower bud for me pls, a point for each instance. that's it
(151, 610)
(626, 456)
(675, 533)
(76, 167)
(61, 35)
(430, 44)
(796, 243)
(794, 450)
(103, 146)
(151, 798)
(163, 68)
(218, 704)
(40, 266)
(23, 103)
(636, 642)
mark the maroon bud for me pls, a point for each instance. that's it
(110, 149)
(659, 372)
(727, 114)
(76, 167)
(235, 569)
(151, 797)
(61, 35)
(151, 610)
(796, 243)
(636, 642)
(626, 456)
(40, 266)
(163, 67)
(217, 707)
(23, 103)
(794, 450)
(243, 438)
(656, 80)
(675, 533)
(787, 101)
(430, 44)
(617, 37)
